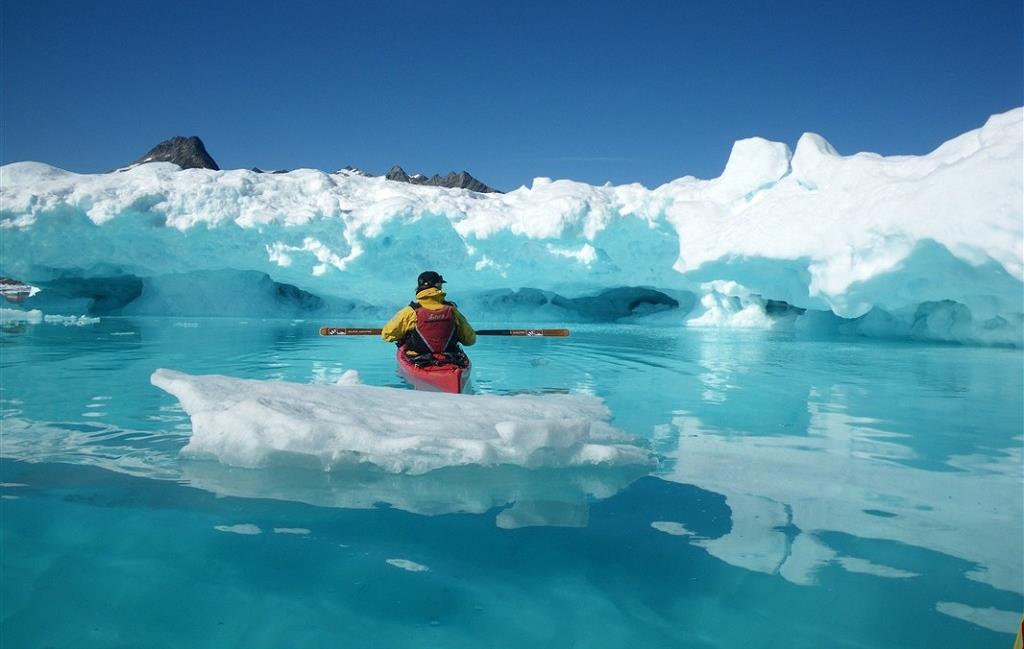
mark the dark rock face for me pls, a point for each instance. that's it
(186, 152)
(462, 180)
(398, 174)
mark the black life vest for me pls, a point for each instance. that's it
(435, 331)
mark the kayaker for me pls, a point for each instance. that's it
(430, 325)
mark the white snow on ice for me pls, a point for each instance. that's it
(248, 423)
(935, 241)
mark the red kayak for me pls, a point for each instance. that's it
(442, 374)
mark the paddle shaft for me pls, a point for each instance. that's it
(361, 331)
(555, 333)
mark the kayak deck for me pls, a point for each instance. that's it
(445, 377)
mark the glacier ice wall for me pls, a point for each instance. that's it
(917, 245)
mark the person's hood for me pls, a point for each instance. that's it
(432, 296)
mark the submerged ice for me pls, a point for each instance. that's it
(248, 423)
(911, 246)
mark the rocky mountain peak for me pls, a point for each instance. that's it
(462, 179)
(186, 152)
(190, 153)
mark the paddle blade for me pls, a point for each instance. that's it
(348, 331)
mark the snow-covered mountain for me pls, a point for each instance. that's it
(353, 171)
(922, 246)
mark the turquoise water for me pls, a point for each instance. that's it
(809, 494)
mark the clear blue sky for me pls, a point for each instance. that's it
(594, 91)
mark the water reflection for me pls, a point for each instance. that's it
(878, 472)
(847, 476)
(531, 497)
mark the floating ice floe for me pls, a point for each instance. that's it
(70, 320)
(35, 316)
(248, 423)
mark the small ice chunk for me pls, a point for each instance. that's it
(671, 527)
(350, 377)
(405, 564)
(71, 320)
(298, 531)
(247, 529)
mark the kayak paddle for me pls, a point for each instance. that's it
(357, 331)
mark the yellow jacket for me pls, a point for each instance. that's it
(405, 320)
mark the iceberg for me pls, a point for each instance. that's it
(923, 246)
(253, 424)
